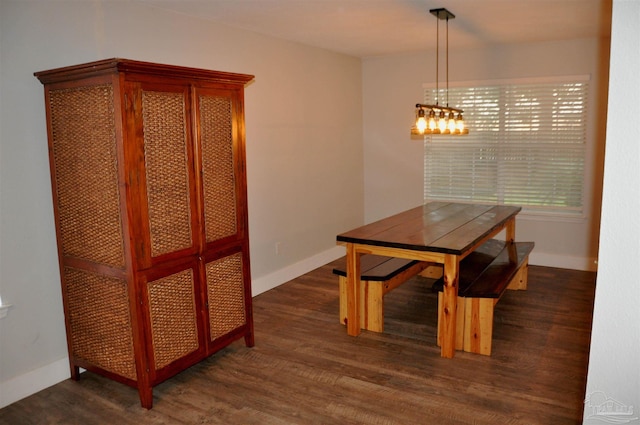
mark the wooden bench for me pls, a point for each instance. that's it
(378, 276)
(484, 276)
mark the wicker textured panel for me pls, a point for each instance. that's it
(174, 327)
(167, 171)
(84, 153)
(225, 292)
(100, 322)
(218, 168)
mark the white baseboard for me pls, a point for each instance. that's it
(31, 382)
(270, 281)
(563, 261)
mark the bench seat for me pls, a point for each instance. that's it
(484, 276)
(378, 276)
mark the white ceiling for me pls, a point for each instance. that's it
(365, 28)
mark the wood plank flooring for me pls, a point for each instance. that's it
(305, 369)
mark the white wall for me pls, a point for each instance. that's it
(614, 361)
(394, 162)
(304, 153)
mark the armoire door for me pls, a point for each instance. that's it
(166, 224)
(226, 299)
(221, 150)
(161, 154)
(173, 307)
(226, 251)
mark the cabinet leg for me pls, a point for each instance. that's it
(146, 396)
(75, 373)
(248, 339)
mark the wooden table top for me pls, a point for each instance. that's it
(444, 227)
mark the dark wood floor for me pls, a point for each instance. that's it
(304, 368)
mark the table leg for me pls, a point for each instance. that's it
(450, 305)
(353, 290)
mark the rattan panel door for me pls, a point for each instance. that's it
(224, 199)
(149, 191)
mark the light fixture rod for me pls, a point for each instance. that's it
(441, 13)
(447, 68)
(437, 60)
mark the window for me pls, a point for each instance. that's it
(526, 147)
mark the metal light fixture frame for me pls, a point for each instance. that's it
(449, 120)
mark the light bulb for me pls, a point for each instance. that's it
(442, 123)
(432, 121)
(460, 124)
(451, 123)
(421, 122)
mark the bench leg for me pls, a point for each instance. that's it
(478, 325)
(520, 280)
(459, 321)
(373, 314)
(371, 307)
(342, 281)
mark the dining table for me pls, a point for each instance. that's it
(437, 232)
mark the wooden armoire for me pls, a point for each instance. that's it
(150, 203)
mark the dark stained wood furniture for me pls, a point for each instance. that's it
(150, 201)
(438, 232)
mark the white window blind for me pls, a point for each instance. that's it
(526, 147)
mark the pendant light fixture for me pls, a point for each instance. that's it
(439, 119)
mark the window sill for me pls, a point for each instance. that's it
(532, 215)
